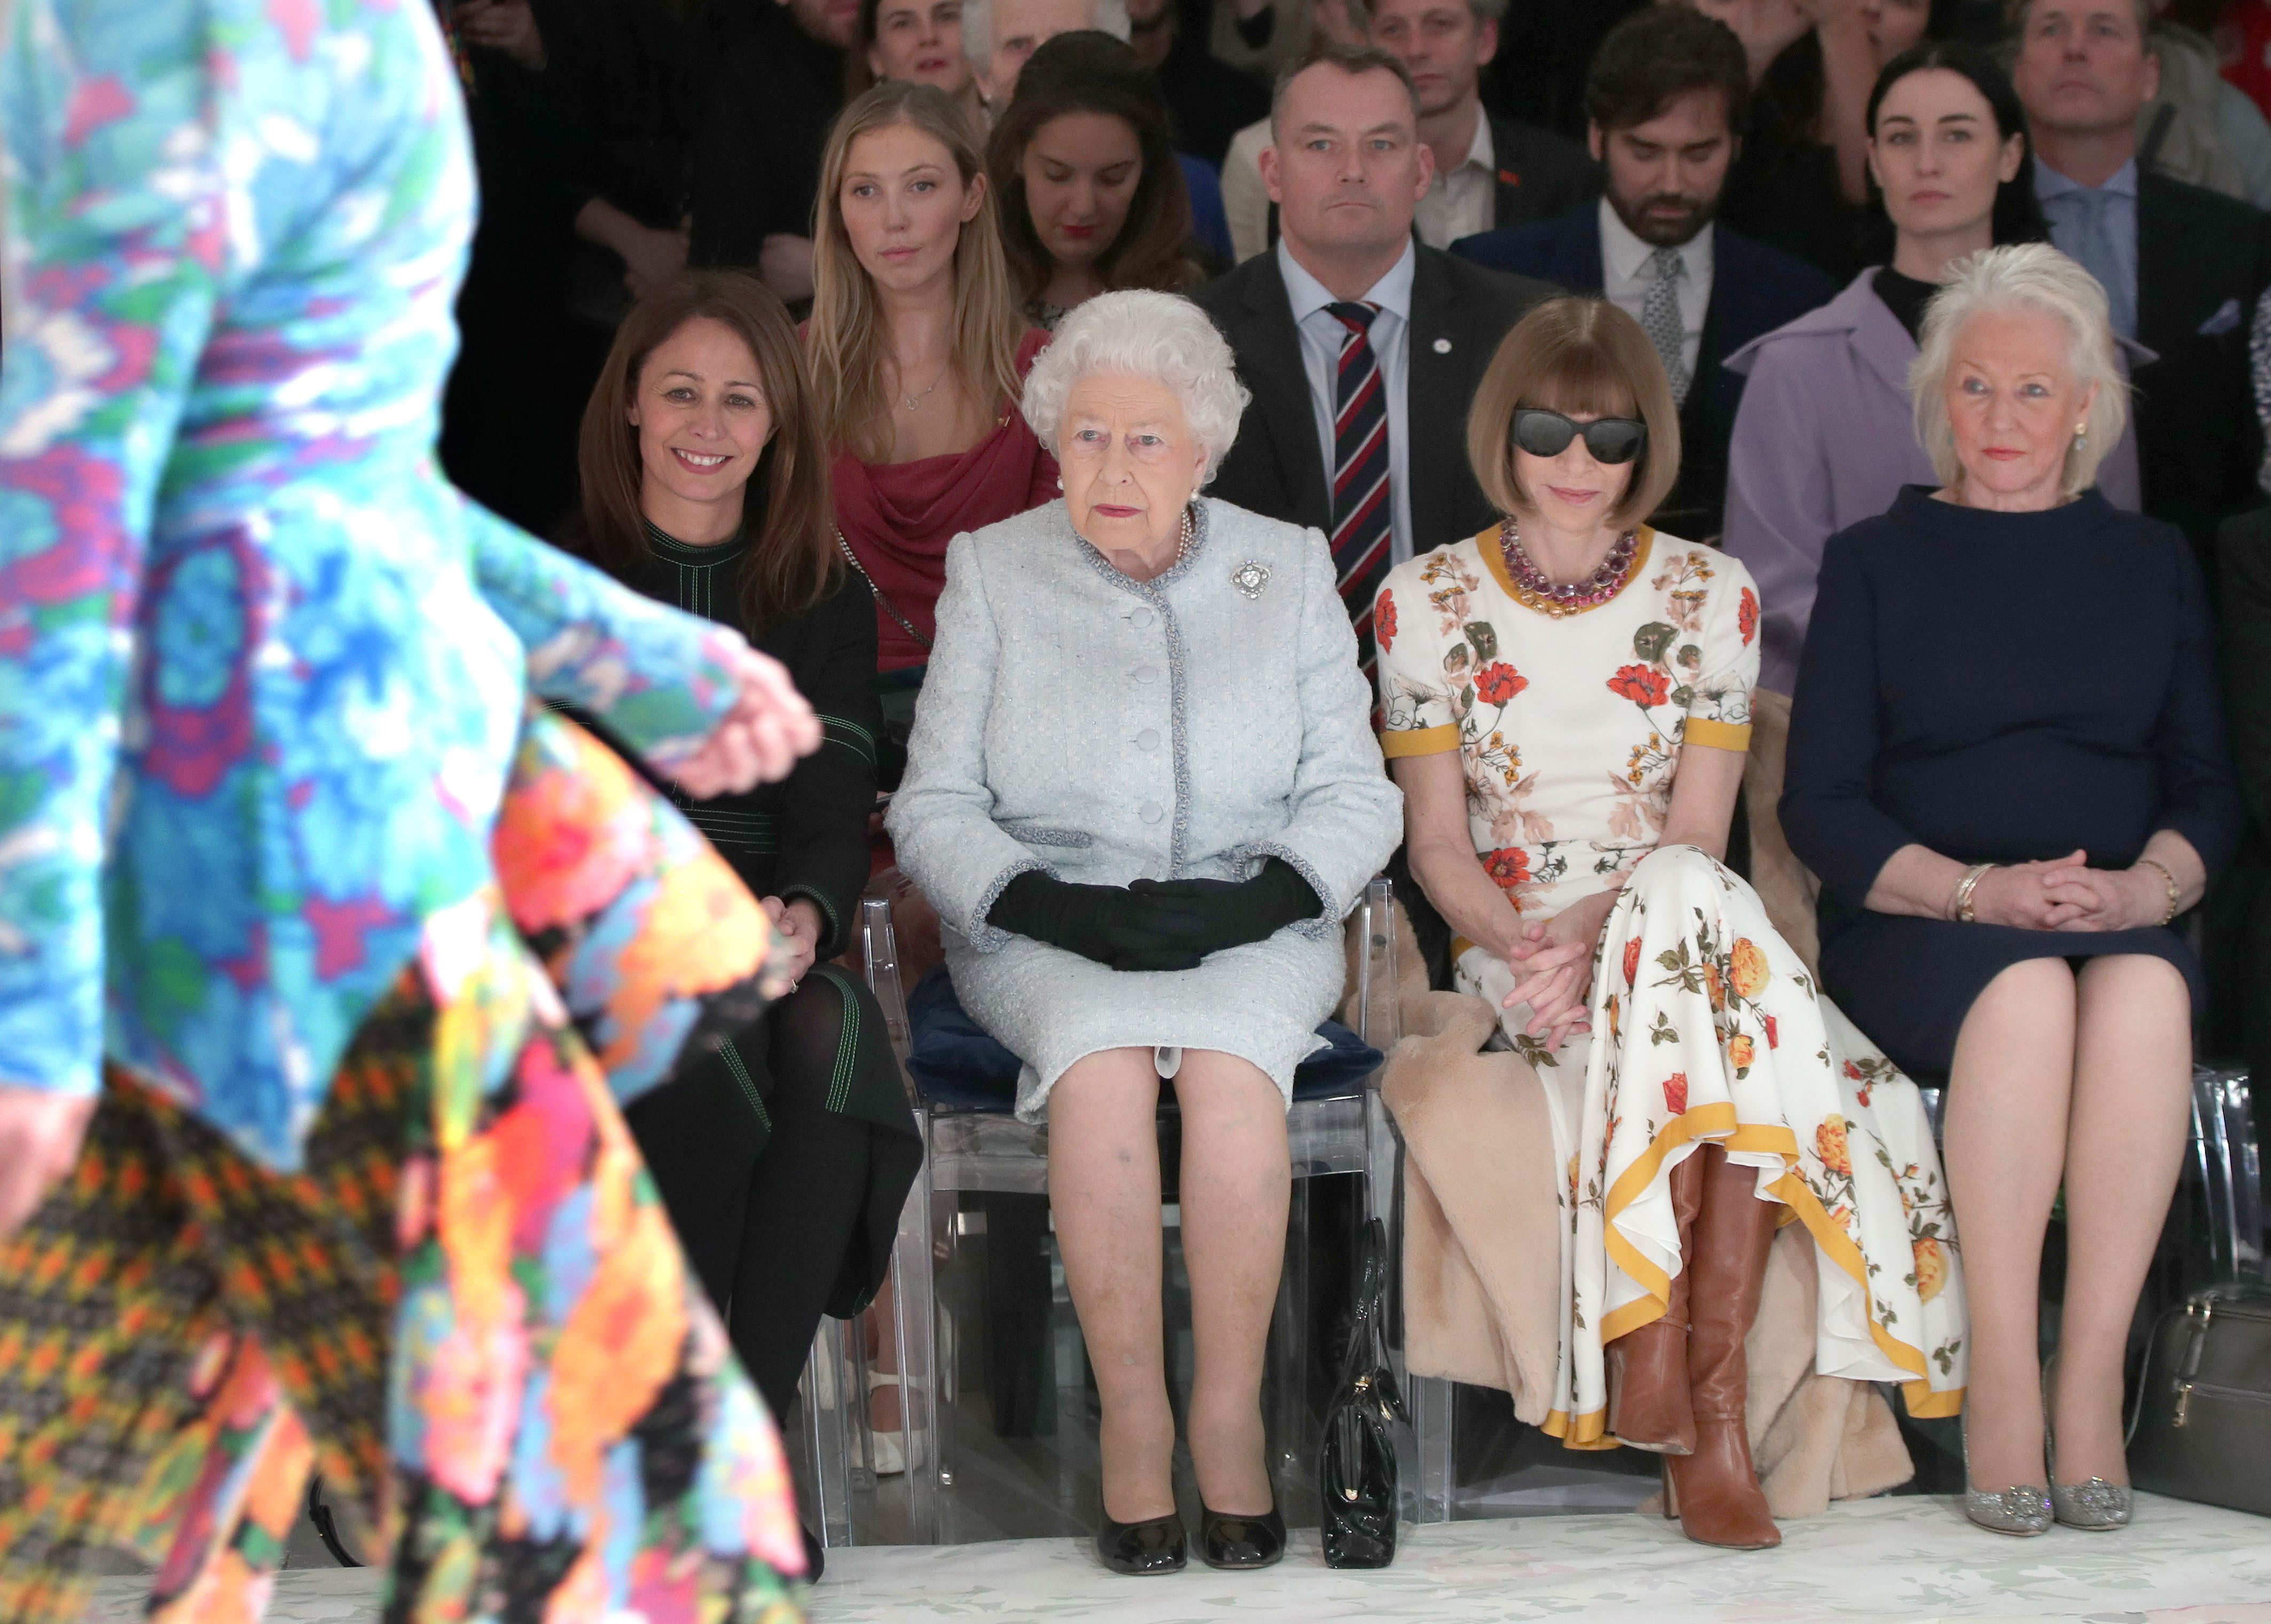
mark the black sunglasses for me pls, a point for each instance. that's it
(1612, 440)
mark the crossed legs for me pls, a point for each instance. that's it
(2080, 1078)
(1104, 1188)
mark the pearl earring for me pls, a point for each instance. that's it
(2080, 435)
(1060, 481)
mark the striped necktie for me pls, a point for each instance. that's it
(1360, 509)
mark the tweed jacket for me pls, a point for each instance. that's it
(1106, 729)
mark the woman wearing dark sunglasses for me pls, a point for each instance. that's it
(1568, 703)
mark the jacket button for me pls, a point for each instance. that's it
(1151, 811)
(1147, 673)
(1140, 618)
(1149, 738)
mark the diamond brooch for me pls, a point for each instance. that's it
(1250, 577)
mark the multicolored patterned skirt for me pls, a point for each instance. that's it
(468, 1309)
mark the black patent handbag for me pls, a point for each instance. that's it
(1356, 1464)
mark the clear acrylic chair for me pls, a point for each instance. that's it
(2227, 1161)
(984, 1171)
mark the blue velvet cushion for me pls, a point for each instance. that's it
(957, 1064)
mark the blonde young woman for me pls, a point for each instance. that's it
(1567, 704)
(918, 356)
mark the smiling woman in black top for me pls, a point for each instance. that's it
(784, 1158)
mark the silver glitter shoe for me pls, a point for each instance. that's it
(2023, 1511)
(2098, 1506)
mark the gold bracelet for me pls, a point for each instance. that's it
(1959, 906)
(2176, 893)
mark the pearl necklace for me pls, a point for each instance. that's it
(1536, 590)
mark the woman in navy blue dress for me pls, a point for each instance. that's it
(2007, 766)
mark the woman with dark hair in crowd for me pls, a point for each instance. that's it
(785, 1155)
(913, 43)
(1093, 199)
(1800, 182)
(1823, 438)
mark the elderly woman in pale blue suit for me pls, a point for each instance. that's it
(1142, 792)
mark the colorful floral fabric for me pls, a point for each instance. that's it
(1571, 727)
(469, 1310)
(1705, 1024)
(468, 1307)
(653, 940)
(261, 669)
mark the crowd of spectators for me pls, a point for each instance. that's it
(1760, 204)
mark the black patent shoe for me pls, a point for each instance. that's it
(1232, 1541)
(1154, 1545)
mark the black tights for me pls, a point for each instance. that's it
(766, 1219)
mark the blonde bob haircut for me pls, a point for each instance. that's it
(1582, 357)
(2023, 276)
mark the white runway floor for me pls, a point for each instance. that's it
(1904, 1561)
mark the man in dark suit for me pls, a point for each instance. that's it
(1362, 345)
(2182, 266)
(1666, 93)
(1489, 171)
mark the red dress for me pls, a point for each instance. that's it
(898, 517)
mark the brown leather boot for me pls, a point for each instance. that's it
(1648, 1404)
(1717, 1488)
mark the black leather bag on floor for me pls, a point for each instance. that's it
(1356, 1465)
(2201, 1428)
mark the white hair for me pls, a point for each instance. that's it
(1109, 17)
(1163, 336)
(2026, 276)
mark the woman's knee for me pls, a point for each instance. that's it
(804, 1036)
(1119, 1085)
(1671, 869)
(1222, 1091)
(2031, 1002)
(2133, 977)
(2139, 993)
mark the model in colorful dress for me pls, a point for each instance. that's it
(1566, 707)
(304, 1162)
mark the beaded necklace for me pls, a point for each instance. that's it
(1534, 589)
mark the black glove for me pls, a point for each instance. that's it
(1233, 913)
(1107, 923)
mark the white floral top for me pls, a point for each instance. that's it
(1570, 726)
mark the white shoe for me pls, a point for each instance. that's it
(886, 1456)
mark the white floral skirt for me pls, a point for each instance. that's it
(1707, 1027)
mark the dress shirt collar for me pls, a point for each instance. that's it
(2050, 183)
(1307, 296)
(1482, 154)
(1624, 255)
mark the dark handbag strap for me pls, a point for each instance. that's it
(1367, 1350)
(889, 608)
